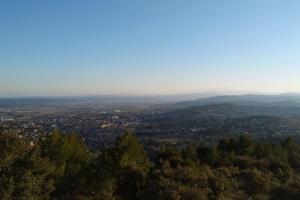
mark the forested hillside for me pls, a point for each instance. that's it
(59, 166)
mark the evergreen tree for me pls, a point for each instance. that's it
(24, 174)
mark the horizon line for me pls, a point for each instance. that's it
(211, 94)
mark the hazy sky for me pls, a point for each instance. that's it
(77, 47)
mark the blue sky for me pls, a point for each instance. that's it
(76, 47)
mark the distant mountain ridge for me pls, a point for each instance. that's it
(247, 99)
(101, 99)
(175, 101)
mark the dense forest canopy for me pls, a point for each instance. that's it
(60, 166)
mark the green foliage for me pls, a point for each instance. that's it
(24, 174)
(130, 153)
(119, 172)
(70, 157)
(60, 166)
